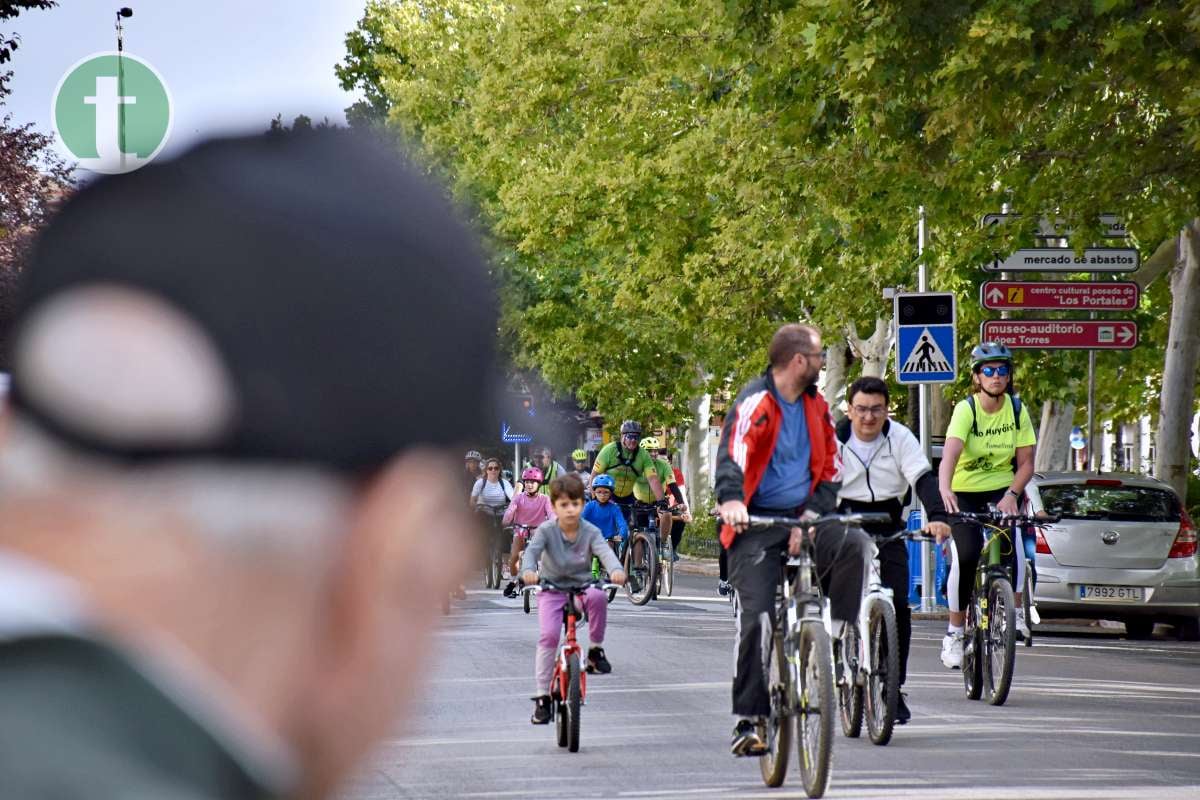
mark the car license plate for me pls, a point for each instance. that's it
(1111, 594)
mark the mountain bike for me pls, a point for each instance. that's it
(800, 662)
(867, 660)
(989, 646)
(568, 686)
(499, 542)
(641, 556)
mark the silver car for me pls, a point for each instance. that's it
(1124, 550)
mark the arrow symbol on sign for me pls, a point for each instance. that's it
(1125, 335)
(995, 295)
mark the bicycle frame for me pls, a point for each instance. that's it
(567, 646)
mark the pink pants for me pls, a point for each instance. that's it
(550, 622)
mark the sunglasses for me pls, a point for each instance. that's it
(991, 372)
(493, 469)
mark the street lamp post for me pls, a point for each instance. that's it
(122, 13)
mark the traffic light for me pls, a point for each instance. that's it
(527, 404)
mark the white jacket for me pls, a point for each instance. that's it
(897, 464)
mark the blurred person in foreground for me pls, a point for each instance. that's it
(228, 494)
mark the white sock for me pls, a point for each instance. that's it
(953, 629)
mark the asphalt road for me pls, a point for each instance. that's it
(1090, 715)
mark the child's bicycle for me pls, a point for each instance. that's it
(990, 637)
(598, 571)
(800, 663)
(568, 686)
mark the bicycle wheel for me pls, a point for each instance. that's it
(667, 567)
(849, 691)
(999, 643)
(1027, 604)
(491, 576)
(972, 668)
(574, 696)
(814, 712)
(639, 572)
(883, 672)
(774, 763)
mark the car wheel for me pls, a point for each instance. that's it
(1187, 629)
(1139, 627)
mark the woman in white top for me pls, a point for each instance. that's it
(492, 490)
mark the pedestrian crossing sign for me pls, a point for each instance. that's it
(925, 338)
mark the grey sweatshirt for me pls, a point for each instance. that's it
(566, 562)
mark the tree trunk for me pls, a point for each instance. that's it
(836, 366)
(873, 351)
(940, 411)
(1054, 436)
(696, 472)
(1119, 464)
(1177, 403)
(1139, 461)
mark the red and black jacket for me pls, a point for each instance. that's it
(748, 441)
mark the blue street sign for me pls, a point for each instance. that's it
(926, 345)
(508, 437)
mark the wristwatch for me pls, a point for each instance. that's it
(1015, 494)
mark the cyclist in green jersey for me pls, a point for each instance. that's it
(666, 476)
(626, 461)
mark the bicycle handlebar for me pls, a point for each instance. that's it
(857, 518)
(997, 517)
(579, 588)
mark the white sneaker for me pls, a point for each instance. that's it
(1022, 628)
(952, 650)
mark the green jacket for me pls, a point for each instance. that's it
(77, 720)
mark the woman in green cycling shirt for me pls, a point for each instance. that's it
(987, 460)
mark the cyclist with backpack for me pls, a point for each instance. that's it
(625, 460)
(492, 489)
(987, 460)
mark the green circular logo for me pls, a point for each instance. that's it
(112, 112)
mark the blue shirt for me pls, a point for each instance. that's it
(787, 481)
(607, 517)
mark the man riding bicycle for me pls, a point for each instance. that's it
(881, 459)
(626, 461)
(778, 457)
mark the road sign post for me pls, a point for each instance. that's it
(1060, 295)
(926, 346)
(1062, 334)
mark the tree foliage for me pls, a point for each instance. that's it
(666, 181)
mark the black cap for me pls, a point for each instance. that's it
(351, 310)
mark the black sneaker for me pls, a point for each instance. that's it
(541, 710)
(746, 740)
(903, 715)
(511, 589)
(724, 589)
(597, 662)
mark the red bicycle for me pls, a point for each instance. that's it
(568, 686)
